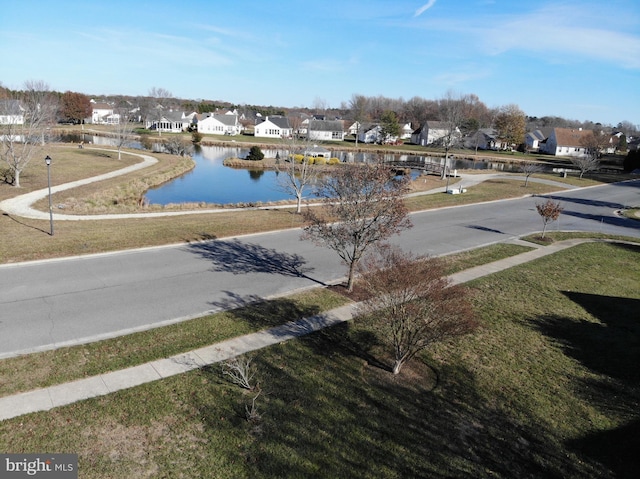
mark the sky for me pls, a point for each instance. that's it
(577, 59)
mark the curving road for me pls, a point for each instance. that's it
(48, 304)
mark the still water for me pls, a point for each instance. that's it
(211, 182)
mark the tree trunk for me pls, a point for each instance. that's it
(397, 366)
(352, 273)
(299, 204)
(16, 178)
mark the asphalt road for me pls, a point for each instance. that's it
(61, 302)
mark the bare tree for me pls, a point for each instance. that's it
(594, 143)
(122, 130)
(296, 172)
(159, 102)
(549, 211)
(412, 302)
(177, 145)
(529, 168)
(363, 205)
(358, 106)
(240, 371)
(452, 115)
(24, 126)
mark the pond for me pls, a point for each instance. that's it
(211, 182)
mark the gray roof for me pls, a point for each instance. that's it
(10, 107)
(326, 125)
(437, 125)
(279, 121)
(228, 120)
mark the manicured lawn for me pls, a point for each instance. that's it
(548, 387)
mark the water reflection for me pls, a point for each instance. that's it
(211, 182)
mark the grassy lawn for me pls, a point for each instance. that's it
(548, 387)
(67, 364)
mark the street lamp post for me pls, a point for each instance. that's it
(47, 160)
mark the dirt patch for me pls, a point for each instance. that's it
(414, 375)
(358, 293)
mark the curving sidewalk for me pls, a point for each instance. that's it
(21, 205)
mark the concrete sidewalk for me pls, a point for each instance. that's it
(103, 384)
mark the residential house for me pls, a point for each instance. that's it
(273, 127)
(11, 112)
(533, 139)
(614, 143)
(406, 131)
(371, 133)
(103, 114)
(220, 125)
(11, 117)
(566, 142)
(355, 128)
(169, 122)
(483, 139)
(431, 132)
(326, 130)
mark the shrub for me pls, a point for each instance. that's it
(298, 158)
(320, 161)
(255, 154)
(632, 161)
(334, 161)
(196, 137)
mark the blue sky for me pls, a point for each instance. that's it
(575, 59)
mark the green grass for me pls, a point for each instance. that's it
(67, 364)
(71, 363)
(548, 387)
(479, 256)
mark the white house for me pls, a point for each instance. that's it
(11, 112)
(370, 134)
(430, 133)
(566, 142)
(220, 125)
(102, 114)
(406, 131)
(326, 130)
(355, 128)
(273, 127)
(170, 122)
(11, 117)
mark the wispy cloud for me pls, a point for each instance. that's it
(424, 8)
(547, 32)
